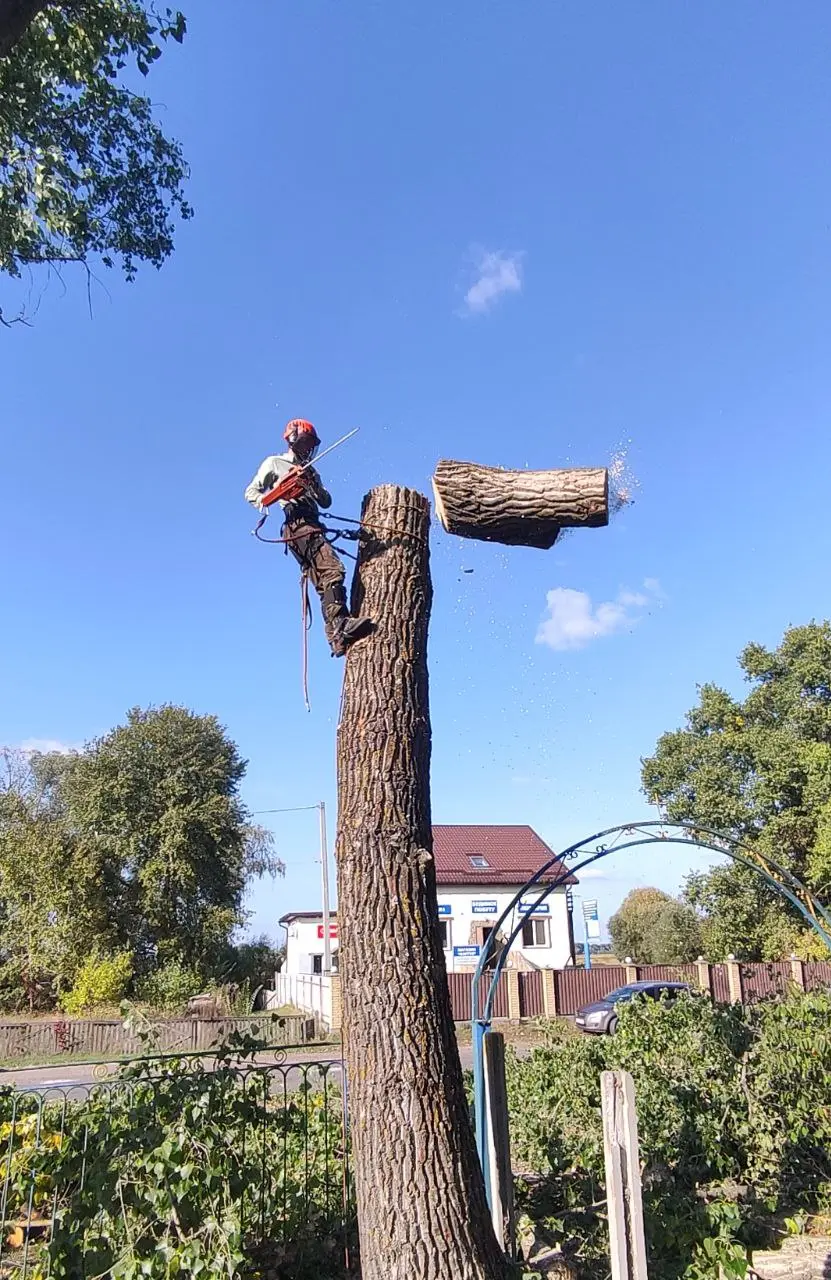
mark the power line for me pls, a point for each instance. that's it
(298, 808)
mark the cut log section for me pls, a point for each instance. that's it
(519, 508)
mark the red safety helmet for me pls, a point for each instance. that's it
(300, 430)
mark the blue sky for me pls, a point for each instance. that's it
(523, 234)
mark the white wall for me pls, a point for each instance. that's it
(302, 943)
(310, 992)
(470, 907)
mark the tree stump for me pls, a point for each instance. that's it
(422, 1211)
(519, 508)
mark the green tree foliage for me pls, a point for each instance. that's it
(100, 981)
(654, 928)
(138, 844)
(85, 171)
(55, 891)
(758, 769)
(158, 797)
(734, 1119)
(170, 986)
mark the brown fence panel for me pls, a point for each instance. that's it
(668, 973)
(721, 986)
(576, 987)
(461, 986)
(760, 980)
(817, 974)
(530, 995)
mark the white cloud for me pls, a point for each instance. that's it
(495, 272)
(572, 621)
(593, 873)
(33, 746)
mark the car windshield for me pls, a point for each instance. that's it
(622, 993)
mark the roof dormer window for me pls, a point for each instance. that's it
(476, 860)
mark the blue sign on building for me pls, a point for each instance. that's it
(466, 953)
(444, 908)
(483, 907)
(531, 905)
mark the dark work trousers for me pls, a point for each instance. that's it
(326, 573)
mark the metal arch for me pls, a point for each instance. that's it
(652, 832)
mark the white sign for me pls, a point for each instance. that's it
(591, 918)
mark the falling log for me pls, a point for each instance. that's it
(421, 1200)
(519, 508)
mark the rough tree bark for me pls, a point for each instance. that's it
(422, 1212)
(15, 16)
(519, 508)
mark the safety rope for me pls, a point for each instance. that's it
(307, 622)
(330, 536)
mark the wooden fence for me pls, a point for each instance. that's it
(94, 1038)
(561, 992)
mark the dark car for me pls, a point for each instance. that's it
(600, 1017)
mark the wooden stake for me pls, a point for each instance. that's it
(627, 1244)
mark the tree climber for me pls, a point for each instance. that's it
(302, 494)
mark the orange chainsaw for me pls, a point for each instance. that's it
(293, 486)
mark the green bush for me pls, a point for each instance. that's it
(734, 1118)
(182, 1169)
(170, 986)
(101, 980)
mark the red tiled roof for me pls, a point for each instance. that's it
(513, 853)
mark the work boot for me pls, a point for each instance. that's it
(345, 632)
(355, 629)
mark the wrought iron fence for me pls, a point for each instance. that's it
(237, 1160)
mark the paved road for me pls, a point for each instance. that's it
(64, 1079)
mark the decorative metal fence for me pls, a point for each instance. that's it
(238, 1161)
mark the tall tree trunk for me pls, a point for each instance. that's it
(519, 508)
(15, 16)
(422, 1212)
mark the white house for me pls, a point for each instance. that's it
(478, 871)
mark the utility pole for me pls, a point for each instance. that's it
(324, 875)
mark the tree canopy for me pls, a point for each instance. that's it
(654, 928)
(86, 173)
(137, 845)
(758, 769)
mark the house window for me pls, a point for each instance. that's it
(476, 860)
(444, 934)
(317, 964)
(535, 933)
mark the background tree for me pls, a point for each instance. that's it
(86, 174)
(158, 797)
(758, 769)
(654, 928)
(54, 892)
(137, 845)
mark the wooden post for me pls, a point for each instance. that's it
(420, 1191)
(627, 1244)
(500, 1174)
(798, 972)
